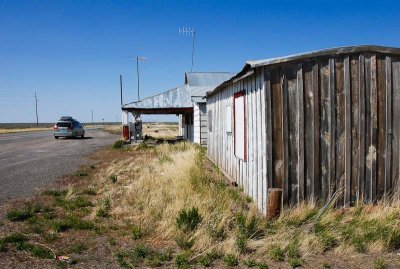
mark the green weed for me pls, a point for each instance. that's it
(188, 220)
(380, 263)
(78, 248)
(250, 263)
(276, 253)
(113, 178)
(118, 144)
(182, 260)
(55, 193)
(231, 260)
(327, 265)
(295, 262)
(72, 222)
(24, 214)
(137, 232)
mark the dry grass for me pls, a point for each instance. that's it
(19, 130)
(155, 130)
(146, 198)
(160, 130)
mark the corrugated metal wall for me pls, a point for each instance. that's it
(314, 127)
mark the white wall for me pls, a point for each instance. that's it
(251, 173)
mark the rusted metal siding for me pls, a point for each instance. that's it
(315, 126)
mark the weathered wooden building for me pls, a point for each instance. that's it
(187, 101)
(311, 124)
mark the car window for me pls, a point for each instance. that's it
(63, 124)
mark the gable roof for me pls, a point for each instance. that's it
(197, 84)
(250, 65)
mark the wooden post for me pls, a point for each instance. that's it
(274, 203)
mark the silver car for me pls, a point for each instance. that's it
(68, 127)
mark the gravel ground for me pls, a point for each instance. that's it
(31, 161)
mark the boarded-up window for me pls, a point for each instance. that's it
(228, 119)
(240, 124)
(209, 122)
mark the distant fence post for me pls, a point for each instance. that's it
(274, 203)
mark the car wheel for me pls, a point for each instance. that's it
(83, 135)
(56, 137)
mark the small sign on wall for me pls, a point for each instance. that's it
(229, 119)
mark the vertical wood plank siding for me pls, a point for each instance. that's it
(314, 127)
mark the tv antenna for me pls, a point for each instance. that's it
(189, 31)
(138, 59)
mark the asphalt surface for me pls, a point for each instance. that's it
(32, 160)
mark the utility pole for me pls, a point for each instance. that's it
(143, 59)
(192, 32)
(120, 84)
(37, 117)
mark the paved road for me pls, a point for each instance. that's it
(32, 160)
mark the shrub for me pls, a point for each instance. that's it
(231, 260)
(82, 174)
(188, 220)
(118, 144)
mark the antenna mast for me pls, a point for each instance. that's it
(192, 32)
(143, 59)
(120, 83)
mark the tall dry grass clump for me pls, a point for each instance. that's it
(178, 183)
(173, 197)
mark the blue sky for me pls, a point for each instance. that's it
(72, 52)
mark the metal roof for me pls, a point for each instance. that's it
(206, 78)
(250, 65)
(179, 99)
